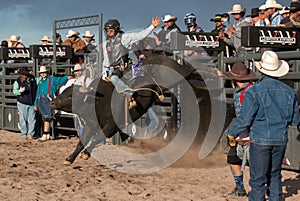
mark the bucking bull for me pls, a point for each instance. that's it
(100, 107)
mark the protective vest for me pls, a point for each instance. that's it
(117, 53)
(28, 96)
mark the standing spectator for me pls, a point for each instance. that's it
(263, 17)
(47, 87)
(90, 42)
(190, 22)
(25, 89)
(272, 7)
(241, 79)
(163, 36)
(254, 16)
(76, 43)
(226, 21)
(46, 40)
(58, 39)
(285, 13)
(234, 32)
(269, 107)
(14, 41)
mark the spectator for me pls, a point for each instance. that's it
(58, 39)
(294, 15)
(14, 41)
(254, 16)
(272, 7)
(241, 79)
(47, 87)
(46, 40)
(4, 44)
(263, 17)
(226, 21)
(269, 107)
(25, 89)
(163, 36)
(285, 13)
(190, 22)
(90, 42)
(219, 29)
(76, 43)
(234, 32)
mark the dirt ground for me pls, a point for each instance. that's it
(32, 170)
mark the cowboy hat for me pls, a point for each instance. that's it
(273, 4)
(284, 10)
(43, 69)
(47, 38)
(169, 18)
(72, 33)
(240, 72)
(77, 67)
(237, 8)
(271, 65)
(88, 34)
(14, 38)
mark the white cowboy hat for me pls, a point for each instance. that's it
(77, 67)
(47, 38)
(43, 69)
(273, 4)
(72, 33)
(88, 34)
(271, 65)
(237, 8)
(284, 10)
(262, 8)
(14, 38)
(169, 17)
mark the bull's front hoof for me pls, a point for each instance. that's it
(67, 163)
(84, 156)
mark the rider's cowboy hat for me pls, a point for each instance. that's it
(88, 34)
(43, 69)
(168, 18)
(271, 65)
(72, 33)
(46, 38)
(77, 67)
(14, 38)
(273, 4)
(240, 72)
(237, 8)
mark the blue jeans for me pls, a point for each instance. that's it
(26, 119)
(152, 121)
(265, 171)
(120, 86)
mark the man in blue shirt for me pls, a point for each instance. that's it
(269, 107)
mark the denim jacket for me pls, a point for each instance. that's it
(270, 106)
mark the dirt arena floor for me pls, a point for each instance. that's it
(32, 170)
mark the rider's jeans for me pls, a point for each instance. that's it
(120, 86)
(152, 121)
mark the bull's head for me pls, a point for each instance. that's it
(64, 100)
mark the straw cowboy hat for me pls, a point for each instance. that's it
(14, 38)
(237, 8)
(77, 67)
(240, 72)
(273, 4)
(88, 34)
(47, 38)
(271, 65)
(169, 18)
(43, 69)
(72, 33)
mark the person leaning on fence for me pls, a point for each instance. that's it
(236, 156)
(269, 107)
(47, 87)
(76, 43)
(234, 32)
(115, 53)
(90, 42)
(272, 7)
(294, 16)
(25, 89)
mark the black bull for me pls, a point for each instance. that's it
(100, 111)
